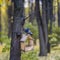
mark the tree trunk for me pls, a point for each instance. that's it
(43, 49)
(0, 21)
(59, 14)
(47, 20)
(15, 52)
(44, 21)
(9, 20)
(31, 10)
(50, 18)
(51, 15)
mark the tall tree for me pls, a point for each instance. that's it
(0, 20)
(50, 11)
(42, 30)
(15, 53)
(46, 13)
(51, 14)
(44, 21)
(47, 20)
(58, 13)
(55, 10)
(9, 20)
(1, 1)
(31, 10)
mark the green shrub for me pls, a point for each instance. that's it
(7, 47)
(57, 31)
(53, 39)
(5, 40)
(32, 55)
(55, 36)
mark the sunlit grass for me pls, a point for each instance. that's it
(4, 56)
(1, 47)
(34, 54)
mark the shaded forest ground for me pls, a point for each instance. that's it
(33, 55)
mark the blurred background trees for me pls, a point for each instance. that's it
(49, 16)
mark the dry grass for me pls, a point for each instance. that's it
(54, 55)
(1, 47)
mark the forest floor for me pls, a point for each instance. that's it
(1, 47)
(53, 55)
(33, 55)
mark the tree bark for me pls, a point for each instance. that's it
(59, 14)
(15, 52)
(43, 41)
(47, 20)
(50, 18)
(0, 21)
(44, 21)
(51, 15)
(31, 10)
(9, 20)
